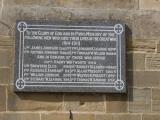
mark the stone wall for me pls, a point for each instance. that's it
(142, 102)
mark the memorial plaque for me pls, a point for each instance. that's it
(70, 57)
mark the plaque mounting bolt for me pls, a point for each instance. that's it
(20, 84)
(119, 85)
(118, 29)
(22, 26)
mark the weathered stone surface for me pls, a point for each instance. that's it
(135, 61)
(116, 103)
(84, 117)
(55, 116)
(84, 102)
(5, 29)
(5, 75)
(103, 117)
(151, 117)
(20, 2)
(127, 117)
(149, 4)
(146, 25)
(139, 100)
(156, 106)
(95, 4)
(11, 14)
(141, 45)
(34, 101)
(66, 116)
(155, 94)
(50, 13)
(6, 57)
(158, 48)
(143, 78)
(153, 62)
(6, 41)
(19, 116)
(2, 98)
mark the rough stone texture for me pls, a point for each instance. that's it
(127, 117)
(149, 4)
(34, 101)
(84, 117)
(14, 13)
(2, 98)
(56, 116)
(136, 61)
(84, 102)
(140, 45)
(66, 116)
(94, 4)
(151, 117)
(156, 100)
(158, 48)
(5, 57)
(20, 2)
(143, 78)
(5, 75)
(6, 41)
(156, 106)
(104, 117)
(146, 25)
(19, 116)
(153, 62)
(155, 94)
(117, 103)
(140, 100)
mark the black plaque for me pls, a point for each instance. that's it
(70, 57)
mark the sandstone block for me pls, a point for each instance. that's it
(153, 62)
(11, 14)
(84, 102)
(139, 100)
(158, 48)
(103, 117)
(84, 117)
(34, 101)
(65, 14)
(135, 61)
(156, 106)
(94, 4)
(149, 4)
(127, 117)
(66, 116)
(20, 2)
(7, 41)
(146, 25)
(116, 103)
(2, 98)
(155, 94)
(5, 57)
(143, 78)
(151, 117)
(5, 75)
(19, 116)
(55, 116)
(141, 45)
